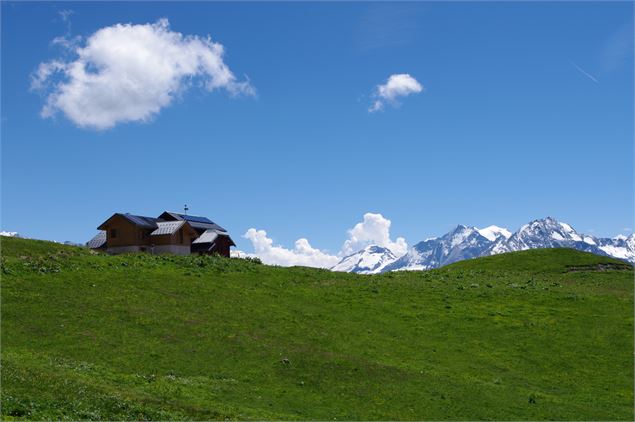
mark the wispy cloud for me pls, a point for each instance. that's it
(617, 48)
(65, 14)
(387, 25)
(584, 72)
(68, 42)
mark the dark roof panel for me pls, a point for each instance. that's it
(205, 226)
(139, 220)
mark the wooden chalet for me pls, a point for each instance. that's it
(171, 233)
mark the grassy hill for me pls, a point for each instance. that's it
(543, 334)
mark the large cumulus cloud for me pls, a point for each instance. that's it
(125, 73)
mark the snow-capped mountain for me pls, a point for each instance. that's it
(370, 260)
(545, 233)
(461, 243)
(469, 242)
(550, 233)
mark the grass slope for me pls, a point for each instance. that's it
(543, 334)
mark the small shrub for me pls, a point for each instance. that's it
(253, 259)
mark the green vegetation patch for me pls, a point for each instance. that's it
(543, 334)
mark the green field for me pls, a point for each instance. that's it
(542, 334)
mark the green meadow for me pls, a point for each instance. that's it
(533, 335)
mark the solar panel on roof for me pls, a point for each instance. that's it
(141, 220)
(196, 219)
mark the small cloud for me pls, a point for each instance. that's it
(397, 85)
(236, 253)
(128, 73)
(584, 72)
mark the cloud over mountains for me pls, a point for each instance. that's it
(374, 229)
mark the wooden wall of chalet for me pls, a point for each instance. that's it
(128, 234)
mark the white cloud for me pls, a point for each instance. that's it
(236, 253)
(373, 230)
(126, 73)
(302, 254)
(398, 85)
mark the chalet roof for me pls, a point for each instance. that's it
(98, 241)
(210, 236)
(139, 220)
(197, 222)
(167, 227)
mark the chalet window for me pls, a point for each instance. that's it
(181, 236)
(113, 233)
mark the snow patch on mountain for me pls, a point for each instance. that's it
(370, 260)
(621, 247)
(589, 240)
(494, 232)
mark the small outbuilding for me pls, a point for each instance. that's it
(212, 241)
(98, 242)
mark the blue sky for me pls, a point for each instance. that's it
(525, 112)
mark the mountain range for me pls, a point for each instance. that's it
(466, 242)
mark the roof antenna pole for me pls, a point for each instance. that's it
(186, 209)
